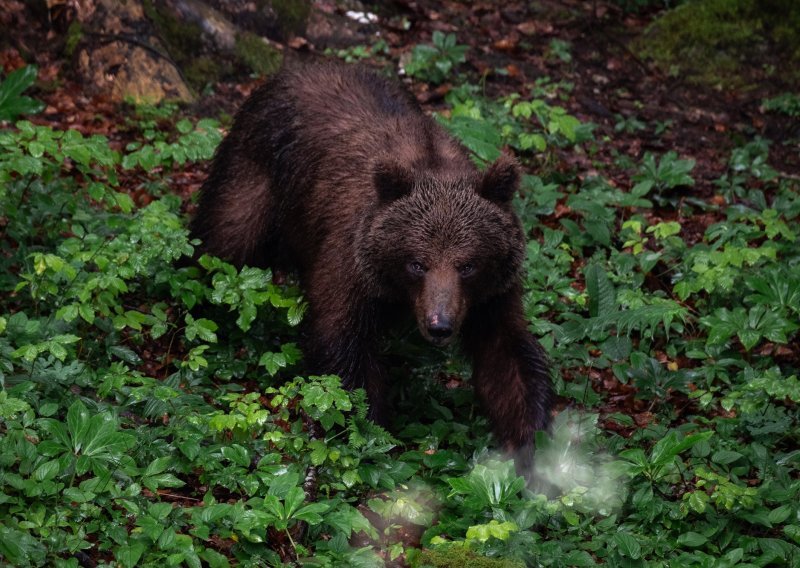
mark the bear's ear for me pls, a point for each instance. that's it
(392, 181)
(500, 181)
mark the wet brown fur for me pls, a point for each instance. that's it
(335, 172)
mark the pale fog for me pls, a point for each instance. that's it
(572, 474)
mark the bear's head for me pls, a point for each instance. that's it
(444, 241)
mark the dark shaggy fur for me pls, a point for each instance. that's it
(336, 172)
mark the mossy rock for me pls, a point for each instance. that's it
(716, 41)
(460, 557)
(258, 55)
(183, 40)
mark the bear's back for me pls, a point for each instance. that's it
(342, 119)
(322, 129)
(346, 92)
(333, 122)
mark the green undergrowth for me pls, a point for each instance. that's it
(714, 41)
(151, 411)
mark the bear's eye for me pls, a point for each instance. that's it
(416, 268)
(466, 269)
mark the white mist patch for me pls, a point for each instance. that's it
(409, 504)
(571, 461)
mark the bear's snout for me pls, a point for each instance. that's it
(439, 327)
(440, 305)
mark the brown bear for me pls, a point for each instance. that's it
(337, 173)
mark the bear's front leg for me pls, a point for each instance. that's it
(510, 373)
(341, 340)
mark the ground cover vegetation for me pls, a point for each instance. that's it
(155, 412)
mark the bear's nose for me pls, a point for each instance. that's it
(439, 327)
(440, 331)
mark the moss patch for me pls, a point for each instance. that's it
(203, 70)
(292, 15)
(74, 37)
(728, 43)
(259, 56)
(460, 557)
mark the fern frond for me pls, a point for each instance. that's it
(644, 320)
(601, 291)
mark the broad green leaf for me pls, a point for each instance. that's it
(48, 470)
(725, 456)
(493, 529)
(692, 539)
(311, 513)
(600, 289)
(77, 423)
(128, 555)
(281, 484)
(158, 465)
(779, 515)
(665, 450)
(12, 102)
(628, 545)
(793, 532)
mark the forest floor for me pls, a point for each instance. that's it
(585, 48)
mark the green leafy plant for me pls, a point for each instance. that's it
(360, 52)
(483, 126)
(436, 62)
(746, 162)
(749, 326)
(12, 102)
(560, 50)
(629, 124)
(668, 173)
(195, 142)
(787, 103)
